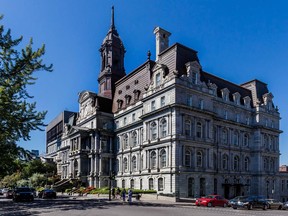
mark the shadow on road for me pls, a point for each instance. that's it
(38, 206)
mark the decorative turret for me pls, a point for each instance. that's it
(162, 40)
(112, 61)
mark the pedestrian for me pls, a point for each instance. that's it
(118, 191)
(130, 193)
(113, 193)
(123, 194)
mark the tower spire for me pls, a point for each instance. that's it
(112, 18)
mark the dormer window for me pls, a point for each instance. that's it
(236, 98)
(157, 79)
(225, 94)
(128, 99)
(120, 103)
(136, 94)
(194, 77)
(247, 101)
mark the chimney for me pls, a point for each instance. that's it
(162, 40)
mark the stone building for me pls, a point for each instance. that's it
(172, 127)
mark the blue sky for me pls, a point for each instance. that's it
(236, 40)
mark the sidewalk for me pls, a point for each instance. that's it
(146, 199)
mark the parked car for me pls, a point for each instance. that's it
(34, 192)
(274, 204)
(4, 191)
(285, 205)
(9, 194)
(212, 200)
(47, 193)
(22, 193)
(251, 202)
(234, 200)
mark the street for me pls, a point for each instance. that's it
(70, 206)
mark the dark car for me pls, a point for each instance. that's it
(47, 193)
(234, 200)
(251, 202)
(274, 204)
(22, 193)
(9, 194)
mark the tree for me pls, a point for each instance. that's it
(18, 115)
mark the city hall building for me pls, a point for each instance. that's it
(169, 126)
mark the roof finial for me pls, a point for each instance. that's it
(112, 18)
(148, 55)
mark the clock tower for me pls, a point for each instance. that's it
(112, 61)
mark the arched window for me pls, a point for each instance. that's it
(199, 156)
(199, 130)
(224, 136)
(125, 141)
(132, 183)
(187, 158)
(188, 128)
(160, 184)
(236, 163)
(246, 164)
(134, 163)
(134, 138)
(225, 162)
(266, 164)
(153, 131)
(162, 158)
(163, 128)
(272, 164)
(246, 140)
(153, 160)
(236, 138)
(123, 183)
(151, 185)
(125, 165)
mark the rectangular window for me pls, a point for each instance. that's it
(189, 100)
(125, 121)
(153, 105)
(162, 101)
(201, 104)
(133, 117)
(158, 79)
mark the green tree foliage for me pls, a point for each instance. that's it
(38, 180)
(10, 180)
(18, 115)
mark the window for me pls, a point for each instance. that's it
(153, 160)
(136, 95)
(187, 127)
(246, 140)
(141, 184)
(266, 141)
(199, 159)
(133, 117)
(191, 185)
(151, 186)
(123, 183)
(272, 164)
(201, 104)
(160, 184)
(246, 164)
(125, 141)
(202, 191)
(194, 77)
(125, 165)
(120, 103)
(132, 183)
(236, 138)
(225, 114)
(247, 120)
(224, 136)
(158, 79)
(189, 100)
(124, 121)
(153, 131)
(153, 105)
(225, 162)
(134, 163)
(128, 99)
(162, 158)
(163, 128)
(199, 130)
(162, 101)
(237, 117)
(236, 163)
(187, 158)
(266, 164)
(134, 138)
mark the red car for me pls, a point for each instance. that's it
(212, 200)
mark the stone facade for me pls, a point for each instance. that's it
(172, 127)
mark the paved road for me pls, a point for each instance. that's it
(74, 206)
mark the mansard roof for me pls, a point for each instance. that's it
(132, 85)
